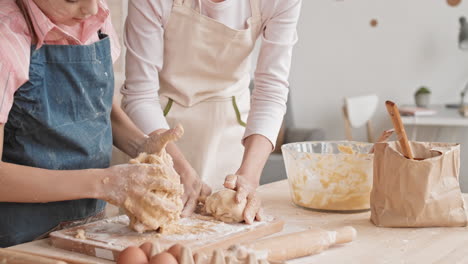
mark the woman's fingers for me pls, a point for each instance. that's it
(204, 193)
(242, 193)
(190, 206)
(231, 181)
(252, 208)
(260, 215)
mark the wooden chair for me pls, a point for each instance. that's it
(357, 112)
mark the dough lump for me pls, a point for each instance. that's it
(161, 207)
(223, 206)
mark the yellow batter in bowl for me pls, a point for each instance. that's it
(334, 176)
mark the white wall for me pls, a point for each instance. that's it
(339, 54)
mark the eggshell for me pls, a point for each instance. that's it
(147, 247)
(163, 258)
(132, 255)
(175, 251)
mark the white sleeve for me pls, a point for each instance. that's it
(271, 76)
(144, 40)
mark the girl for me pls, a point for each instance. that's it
(56, 112)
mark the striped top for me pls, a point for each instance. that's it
(15, 42)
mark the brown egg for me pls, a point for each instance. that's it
(175, 251)
(147, 247)
(132, 255)
(163, 258)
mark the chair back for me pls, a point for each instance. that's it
(357, 112)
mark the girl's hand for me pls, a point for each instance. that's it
(157, 141)
(135, 185)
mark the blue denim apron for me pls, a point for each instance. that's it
(60, 120)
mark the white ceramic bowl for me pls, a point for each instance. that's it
(332, 176)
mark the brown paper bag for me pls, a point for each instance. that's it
(424, 192)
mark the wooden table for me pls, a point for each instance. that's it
(373, 245)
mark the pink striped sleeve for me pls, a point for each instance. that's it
(115, 44)
(14, 57)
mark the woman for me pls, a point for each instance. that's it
(56, 112)
(188, 62)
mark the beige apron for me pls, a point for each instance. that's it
(204, 86)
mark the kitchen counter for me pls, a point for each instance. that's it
(373, 244)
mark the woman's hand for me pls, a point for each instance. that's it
(195, 190)
(246, 189)
(246, 179)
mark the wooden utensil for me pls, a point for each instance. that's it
(399, 129)
(14, 257)
(305, 243)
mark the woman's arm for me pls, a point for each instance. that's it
(273, 66)
(257, 150)
(268, 99)
(144, 40)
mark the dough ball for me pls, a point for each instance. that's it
(223, 206)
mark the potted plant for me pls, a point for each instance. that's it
(422, 97)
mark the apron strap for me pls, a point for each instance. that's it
(255, 8)
(26, 16)
(238, 114)
(198, 7)
(189, 4)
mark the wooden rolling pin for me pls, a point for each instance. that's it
(303, 243)
(9, 256)
(399, 129)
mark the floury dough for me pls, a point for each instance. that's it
(164, 207)
(161, 207)
(223, 206)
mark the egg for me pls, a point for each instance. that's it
(147, 247)
(163, 258)
(175, 251)
(133, 255)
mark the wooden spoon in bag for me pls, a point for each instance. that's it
(399, 129)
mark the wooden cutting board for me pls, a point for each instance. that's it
(107, 238)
